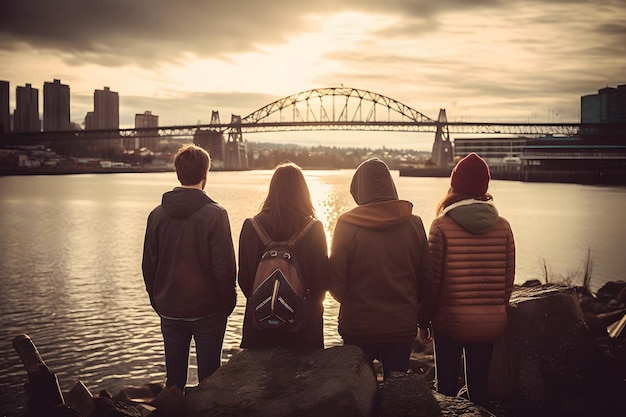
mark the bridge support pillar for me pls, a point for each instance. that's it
(442, 153)
(236, 157)
(213, 142)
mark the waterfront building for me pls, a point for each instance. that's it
(606, 107)
(26, 115)
(56, 106)
(89, 121)
(106, 111)
(4, 107)
(498, 152)
(574, 159)
(146, 138)
(105, 116)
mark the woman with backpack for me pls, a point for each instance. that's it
(286, 211)
(473, 254)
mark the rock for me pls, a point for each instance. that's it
(457, 406)
(613, 290)
(277, 382)
(408, 395)
(169, 401)
(107, 407)
(548, 363)
(140, 394)
(81, 399)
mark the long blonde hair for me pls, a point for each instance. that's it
(288, 202)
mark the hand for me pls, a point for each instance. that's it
(425, 335)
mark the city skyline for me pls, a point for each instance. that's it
(486, 60)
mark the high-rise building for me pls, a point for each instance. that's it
(146, 138)
(4, 107)
(56, 106)
(26, 115)
(607, 108)
(147, 119)
(106, 110)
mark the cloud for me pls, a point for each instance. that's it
(110, 32)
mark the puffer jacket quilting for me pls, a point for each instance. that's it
(472, 279)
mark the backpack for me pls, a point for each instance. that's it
(279, 292)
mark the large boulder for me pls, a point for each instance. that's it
(548, 362)
(280, 382)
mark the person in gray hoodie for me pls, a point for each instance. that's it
(380, 270)
(189, 269)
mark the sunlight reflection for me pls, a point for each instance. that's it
(330, 197)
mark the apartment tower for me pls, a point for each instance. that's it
(26, 115)
(56, 106)
(146, 138)
(5, 120)
(106, 110)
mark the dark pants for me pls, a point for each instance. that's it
(394, 357)
(477, 358)
(208, 334)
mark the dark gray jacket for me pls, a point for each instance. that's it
(188, 259)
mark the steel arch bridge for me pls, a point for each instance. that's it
(335, 108)
(344, 108)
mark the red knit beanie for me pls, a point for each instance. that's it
(471, 176)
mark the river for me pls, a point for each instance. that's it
(71, 246)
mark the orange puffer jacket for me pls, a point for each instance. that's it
(473, 254)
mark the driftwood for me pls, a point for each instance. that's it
(42, 388)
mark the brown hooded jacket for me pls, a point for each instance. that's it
(380, 263)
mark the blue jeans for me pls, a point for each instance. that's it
(476, 358)
(394, 357)
(208, 333)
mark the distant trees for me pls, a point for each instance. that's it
(268, 155)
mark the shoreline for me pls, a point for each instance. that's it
(610, 178)
(75, 170)
(590, 177)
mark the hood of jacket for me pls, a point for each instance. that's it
(375, 193)
(183, 202)
(476, 216)
(372, 182)
(379, 215)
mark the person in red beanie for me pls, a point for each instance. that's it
(473, 255)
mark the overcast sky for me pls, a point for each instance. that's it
(481, 60)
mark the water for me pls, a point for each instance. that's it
(71, 246)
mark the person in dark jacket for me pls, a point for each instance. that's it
(286, 209)
(189, 269)
(473, 255)
(380, 270)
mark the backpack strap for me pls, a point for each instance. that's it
(295, 239)
(266, 239)
(260, 231)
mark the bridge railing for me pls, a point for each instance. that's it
(188, 131)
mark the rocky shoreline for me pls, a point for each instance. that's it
(564, 354)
